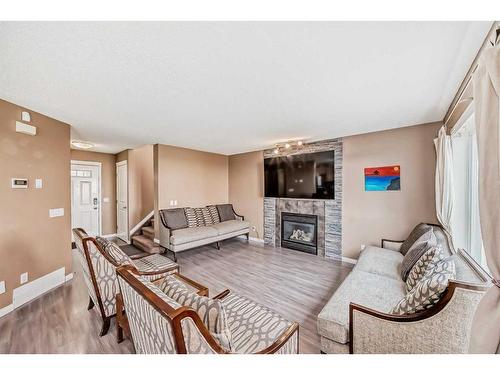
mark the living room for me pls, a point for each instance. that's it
(235, 187)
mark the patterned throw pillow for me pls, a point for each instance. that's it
(427, 261)
(421, 245)
(210, 311)
(114, 251)
(200, 222)
(214, 214)
(207, 218)
(190, 217)
(428, 290)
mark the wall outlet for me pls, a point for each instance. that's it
(24, 277)
(56, 212)
(363, 246)
(38, 183)
(253, 228)
(2, 287)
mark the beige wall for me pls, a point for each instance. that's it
(140, 184)
(193, 178)
(108, 185)
(246, 188)
(30, 241)
(369, 216)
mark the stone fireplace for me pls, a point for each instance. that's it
(328, 212)
(299, 232)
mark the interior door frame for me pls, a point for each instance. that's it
(99, 189)
(119, 164)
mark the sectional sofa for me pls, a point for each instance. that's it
(185, 228)
(358, 318)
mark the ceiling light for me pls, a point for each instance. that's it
(276, 151)
(82, 144)
(287, 145)
(299, 143)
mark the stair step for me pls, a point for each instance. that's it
(149, 232)
(146, 244)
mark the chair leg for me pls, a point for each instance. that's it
(120, 332)
(105, 326)
(217, 244)
(248, 237)
(91, 304)
(175, 256)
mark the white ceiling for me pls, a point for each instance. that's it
(231, 87)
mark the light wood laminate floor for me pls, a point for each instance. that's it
(294, 284)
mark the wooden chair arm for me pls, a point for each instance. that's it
(159, 272)
(281, 340)
(222, 294)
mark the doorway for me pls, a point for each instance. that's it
(122, 201)
(86, 196)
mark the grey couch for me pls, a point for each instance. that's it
(356, 319)
(186, 228)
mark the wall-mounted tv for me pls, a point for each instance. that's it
(308, 176)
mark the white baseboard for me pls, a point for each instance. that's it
(7, 309)
(68, 277)
(35, 288)
(349, 260)
(253, 239)
(109, 235)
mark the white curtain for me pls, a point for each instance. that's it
(485, 336)
(444, 181)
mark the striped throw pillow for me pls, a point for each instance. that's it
(207, 218)
(214, 214)
(200, 222)
(190, 217)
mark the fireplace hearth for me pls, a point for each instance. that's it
(299, 232)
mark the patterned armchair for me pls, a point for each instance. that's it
(160, 324)
(100, 258)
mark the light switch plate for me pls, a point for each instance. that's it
(24, 277)
(105, 200)
(56, 212)
(38, 183)
(2, 287)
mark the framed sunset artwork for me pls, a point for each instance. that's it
(383, 178)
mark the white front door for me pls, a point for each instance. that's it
(85, 197)
(122, 200)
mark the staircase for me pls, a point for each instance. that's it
(143, 239)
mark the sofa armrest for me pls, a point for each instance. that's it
(436, 330)
(164, 236)
(391, 244)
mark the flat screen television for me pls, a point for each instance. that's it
(308, 176)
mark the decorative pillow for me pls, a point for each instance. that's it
(214, 214)
(175, 218)
(226, 212)
(190, 217)
(421, 245)
(114, 251)
(427, 261)
(207, 218)
(428, 290)
(211, 311)
(200, 222)
(415, 234)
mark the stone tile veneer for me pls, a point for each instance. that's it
(329, 211)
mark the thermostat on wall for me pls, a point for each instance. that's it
(19, 183)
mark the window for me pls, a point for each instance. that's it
(465, 221)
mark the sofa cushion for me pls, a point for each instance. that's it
(175, 218)
(415, 234)
(367, 289)
(207, 218)
(225, 212)
(380, 261)
(428, 290)
(182, 236)
(114, 251)
(200, 220)
(190, 217)
(211, 311)
(421, 245)
(427, 261)
(214, 214)
(231, 226)
(253, 326)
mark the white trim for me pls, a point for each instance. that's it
(156, 240)
(99, 188)
(29, 291)
(253, 239)
(120, 163)
(7, 309)
(141, 223)
(68, 277)
(112, 235)
(349, 260)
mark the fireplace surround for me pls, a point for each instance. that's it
(299, 232)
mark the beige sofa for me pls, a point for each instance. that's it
(356, 319)
(211, 224)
